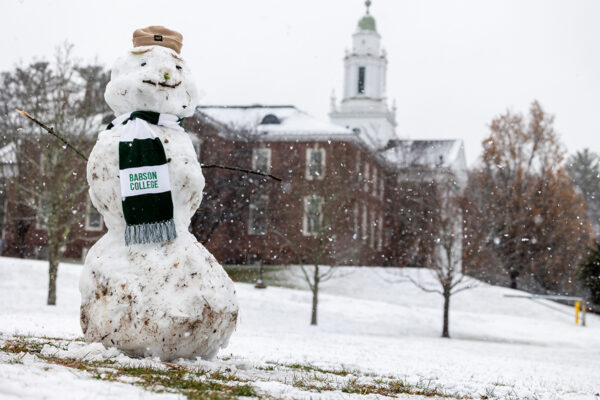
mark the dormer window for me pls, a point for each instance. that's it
(270, 119)
(362, 71)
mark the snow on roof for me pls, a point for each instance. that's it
(447, 153)
(275, 121)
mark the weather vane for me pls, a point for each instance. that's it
(368, 4)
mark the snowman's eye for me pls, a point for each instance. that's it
(178, 67)
(143, 64)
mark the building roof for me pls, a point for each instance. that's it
(424, 153)
(367, 23)
(283, 121)
(430, 154)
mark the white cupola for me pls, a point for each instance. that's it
(364, 107)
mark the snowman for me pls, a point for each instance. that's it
(148, 287)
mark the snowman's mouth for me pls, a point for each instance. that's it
(163, 84)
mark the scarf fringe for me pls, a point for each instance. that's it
(155, 232)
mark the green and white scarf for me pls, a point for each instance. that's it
(144, 176)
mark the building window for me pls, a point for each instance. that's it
(313, 217)
(257, 217)
(361, 79)
(366, 178)
(315, 164)
(356, 224)
(375, 181)
(93, 219)
(357, 169)
(270, 119)
(364, 223)
(261, 160)
(380, 233)
(372, 227)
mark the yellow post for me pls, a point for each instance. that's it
(577, 308)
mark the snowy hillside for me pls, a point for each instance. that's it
(501, 347)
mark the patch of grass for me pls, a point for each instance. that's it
(250, 273)
(313, 368)
(266, 368)
(305, 382)
(193, 384)
(489, 393)
(391, 388)
(20, 345)
(197, 383)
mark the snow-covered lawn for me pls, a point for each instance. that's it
(373, 336)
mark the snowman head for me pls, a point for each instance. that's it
(152, 76)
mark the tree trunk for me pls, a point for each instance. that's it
(513, 279)
(445, 330)
(315, 299)
(22, 229)
(52, 273)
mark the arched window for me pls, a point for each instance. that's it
(270, 119)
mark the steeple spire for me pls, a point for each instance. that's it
(363, 105)
(367, 22)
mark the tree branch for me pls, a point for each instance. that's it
(52, 131)
(424, 288)
(247, 171)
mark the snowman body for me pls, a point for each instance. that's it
(169, 299)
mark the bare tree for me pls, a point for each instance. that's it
(427, 220)
(50, 190)
(324, 245)
(441, 242)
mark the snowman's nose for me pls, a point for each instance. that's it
(167, 76)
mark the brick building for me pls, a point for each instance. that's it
(342, 179)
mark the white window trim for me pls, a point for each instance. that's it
(309, 151)
(363, 227)
(305, 231)
(250, 217)
(5, 217)
(356, 223)
(380, 233)
(358, 170)
(372, 227)
(375, 173)
(255, 157)
(88, 227)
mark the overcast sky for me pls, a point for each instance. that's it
(453, 65)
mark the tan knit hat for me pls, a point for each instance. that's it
(158, 36)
